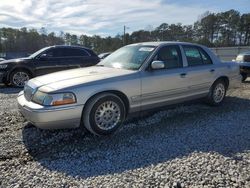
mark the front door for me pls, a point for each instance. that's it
(48, 62)
(160, 87)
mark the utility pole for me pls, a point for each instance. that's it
(124, 34)
(162, 35)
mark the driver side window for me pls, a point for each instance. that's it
(55, 52)
(171, 56)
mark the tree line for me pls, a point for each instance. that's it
(229, 28)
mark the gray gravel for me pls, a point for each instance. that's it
(190, 145)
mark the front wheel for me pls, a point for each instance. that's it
(19, 77)
(104, 114)
(217, 93)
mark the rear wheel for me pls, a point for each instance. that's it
(217, 93)
(104, 114)
(19, 77)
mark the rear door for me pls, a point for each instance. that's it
(164, 85)
(200, 70)
(47, 62)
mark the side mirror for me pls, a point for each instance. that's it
(43, 56)
(155, 65)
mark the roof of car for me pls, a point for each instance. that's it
(90, 51)
(163, 43)
(70, 46)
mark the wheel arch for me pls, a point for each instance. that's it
(118, 93)
(225, 79)
(20, 68)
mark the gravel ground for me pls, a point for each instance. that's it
(192, 145)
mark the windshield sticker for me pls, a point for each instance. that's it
(146, 49)
(117, 65)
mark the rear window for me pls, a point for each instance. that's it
(196, 56)
(91, 52)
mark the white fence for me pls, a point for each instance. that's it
(229, 53)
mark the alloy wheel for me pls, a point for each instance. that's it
(107, 115)
(219, 92)
(19, 78)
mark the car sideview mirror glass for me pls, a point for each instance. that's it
(155, 65)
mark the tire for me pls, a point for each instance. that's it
(217, 93)
(19, 77)
(244, 77)
(104, 114)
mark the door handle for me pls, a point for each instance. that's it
(183, 75)
(212, 70)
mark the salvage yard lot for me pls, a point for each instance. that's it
(185, 146)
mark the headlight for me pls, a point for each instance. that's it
(53, 99)
(3, 66)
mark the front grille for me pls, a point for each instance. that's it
(28, 92)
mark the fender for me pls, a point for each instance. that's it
(16, 67)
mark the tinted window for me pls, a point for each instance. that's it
(196, 56)
(69, 52)
(171, 56)
(66, 52)
(39, 52)
(55, 52)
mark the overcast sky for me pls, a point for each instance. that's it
(107, 17)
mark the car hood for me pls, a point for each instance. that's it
(75, 77)
(19, 60)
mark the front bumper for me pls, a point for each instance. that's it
(2, 76)
(50, 117)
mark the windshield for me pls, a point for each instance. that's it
(38, 52)
(128, 57)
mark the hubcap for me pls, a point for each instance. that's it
(107, 115)
(20, 78)
(219, 92)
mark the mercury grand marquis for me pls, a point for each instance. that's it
(134, 78)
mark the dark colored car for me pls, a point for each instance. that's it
(244, 61)
(47, 60)
(104, 55)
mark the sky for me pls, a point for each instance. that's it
(107, 17)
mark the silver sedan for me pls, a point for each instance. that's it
(134, 78)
